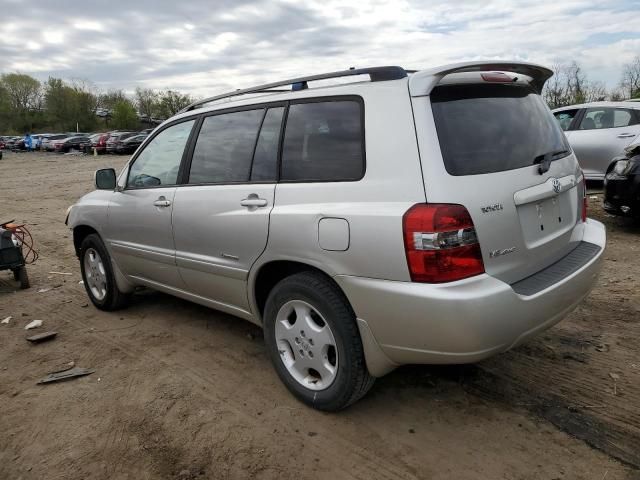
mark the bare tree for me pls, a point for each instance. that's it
(147, 102)
(576, 82)
(630, 83)
(595, 92)
(554, 91)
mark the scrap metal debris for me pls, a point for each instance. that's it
(33, 324)
(60, 273)
(66, 374)
(41, 337)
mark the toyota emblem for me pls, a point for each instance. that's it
(556, 185)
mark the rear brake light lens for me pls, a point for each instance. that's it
(496, 77)
(585, 201)
(441, 244)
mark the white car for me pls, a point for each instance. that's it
(598, 132)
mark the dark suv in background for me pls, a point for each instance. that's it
(116, 138)
(129, 145)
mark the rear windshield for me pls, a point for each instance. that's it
(492, 128)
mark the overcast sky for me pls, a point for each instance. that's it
(205, 47)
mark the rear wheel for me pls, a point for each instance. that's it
(313, 341)
(20, 275)
(97, 274)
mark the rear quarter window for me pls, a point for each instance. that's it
(494, 127)
(324, 141)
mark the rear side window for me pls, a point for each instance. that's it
(565, 118)
(323, 141)
(224, 148)
(493, 128)
(602, 117)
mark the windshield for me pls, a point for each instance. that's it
(494, 127)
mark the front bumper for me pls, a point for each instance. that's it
(622, 195)
(460, 322)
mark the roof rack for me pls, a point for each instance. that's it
(376, 74)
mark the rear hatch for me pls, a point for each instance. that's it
(503, 157)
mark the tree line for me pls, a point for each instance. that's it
(57, 105)
(570, 85)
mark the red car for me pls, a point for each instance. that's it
(99, 142)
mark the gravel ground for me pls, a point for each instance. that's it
(182, 392)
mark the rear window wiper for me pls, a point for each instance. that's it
(546, 158)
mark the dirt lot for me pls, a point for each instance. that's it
(181, 391)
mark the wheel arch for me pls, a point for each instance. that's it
(267, 275)
(270, 273)
(80, 232)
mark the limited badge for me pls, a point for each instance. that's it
(501, 251)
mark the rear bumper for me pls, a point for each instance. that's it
(460, 322)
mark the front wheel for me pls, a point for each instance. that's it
(98, 277)
(313, 341)
(20, 275)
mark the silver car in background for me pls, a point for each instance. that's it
(598, 132)
(428, 217)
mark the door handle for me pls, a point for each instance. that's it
(162, 202)
(253, 201)
(626, 135)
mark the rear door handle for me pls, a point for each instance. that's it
(253, 201)
(162, 202)
(626, 135)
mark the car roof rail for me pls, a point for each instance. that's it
(376, 74)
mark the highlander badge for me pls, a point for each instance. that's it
(492, 208)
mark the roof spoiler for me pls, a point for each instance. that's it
(422, 82)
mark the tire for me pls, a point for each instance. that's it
(290, 356)
(97, 275)
(22, 276)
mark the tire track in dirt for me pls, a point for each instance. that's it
(368, 464)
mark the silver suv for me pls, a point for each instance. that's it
(405, 217)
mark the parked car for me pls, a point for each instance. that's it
(115, 137)
(129, 145)
(47, 143)
(92, 140)
(437, 217)
(598, 132)
(65, 145)
(622, 184)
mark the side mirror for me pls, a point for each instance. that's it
(105, 179)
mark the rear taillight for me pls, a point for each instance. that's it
(585, 202)
(440, 243)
